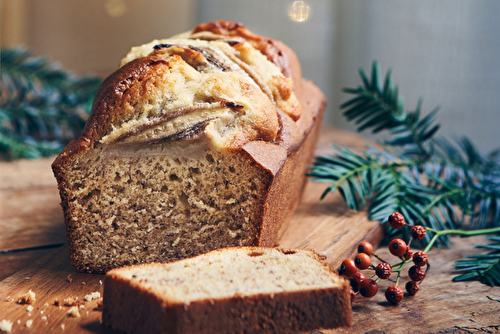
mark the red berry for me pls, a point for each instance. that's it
(409, 253)
(394, 294)
(356, 281)
(416, 273)
(369, 288)
(362, 261)
(396, 220)
(418, 232)
(365, 247)
(420, 258)
(412, 288)
(353, 296)
(383, 270)
(348, 268)
(397, 247)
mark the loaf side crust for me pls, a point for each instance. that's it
(289, 312)
(288, 183)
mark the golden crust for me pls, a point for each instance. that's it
(123, 90)
(267, 46)
(109, 95)
(151, 78)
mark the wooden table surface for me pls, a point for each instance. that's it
(33, 256)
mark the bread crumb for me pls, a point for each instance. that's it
(26, 278)
(73, 311)
(62, 326)
(70, 279)
(18, 321)
(29, 314)
(6, 326)
(29, 323)
(41, 312)
(92, 296)
(82, 306)
(46, 304)
(100, 282)
(27, 298)
(29, 308)
(44, 318)
(8, 299)
(69, 302)
(83, 283)
(87, 312)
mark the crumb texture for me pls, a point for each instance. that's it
(156, 207)
(226, 273)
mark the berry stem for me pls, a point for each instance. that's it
(438, 234)
(378, 258)
(470, 233)
(397, 279)
(397, 264)
(401, 266)
(409, 242)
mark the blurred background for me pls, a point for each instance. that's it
(447, 51)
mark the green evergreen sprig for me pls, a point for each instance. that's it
(435, 182)
(485, 267)
(42, 106)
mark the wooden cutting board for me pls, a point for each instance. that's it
(31, 220)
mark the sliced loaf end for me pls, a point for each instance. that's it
(232, 290)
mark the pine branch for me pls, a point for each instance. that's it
(381, 109)
(434, 182)
(42, 106)
(485, 267)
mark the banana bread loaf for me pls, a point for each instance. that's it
(195, 143)
(232, 290)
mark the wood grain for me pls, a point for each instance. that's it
(26, 174)
(330, 229)
(328, 226)
(12, 262)
(441, 306)
(30, 214)
(48, 278)
(31, 217)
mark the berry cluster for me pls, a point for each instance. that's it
(367, 284)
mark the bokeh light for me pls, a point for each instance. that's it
(115, 8)
(299, 11)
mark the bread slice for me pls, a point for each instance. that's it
(233, 290)
(196, 143)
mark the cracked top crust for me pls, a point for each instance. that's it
(218, 83)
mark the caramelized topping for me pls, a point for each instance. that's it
(185, 133)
